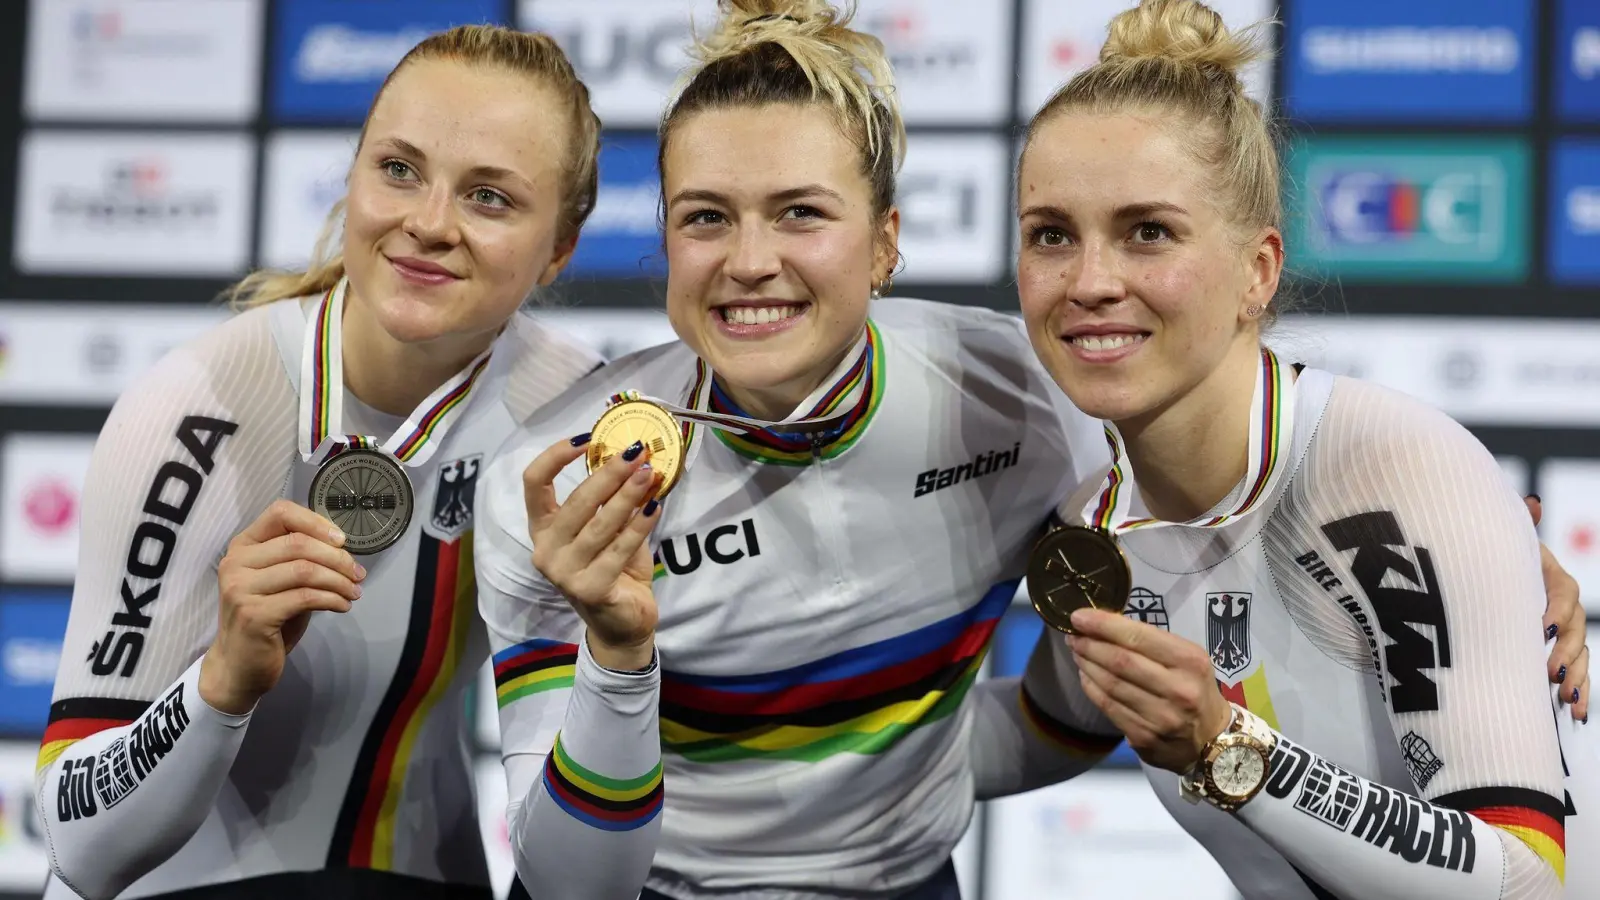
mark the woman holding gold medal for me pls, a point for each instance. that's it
(210, 735)
(737, 619)
(1347, 699)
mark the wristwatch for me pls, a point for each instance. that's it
(1233, 765)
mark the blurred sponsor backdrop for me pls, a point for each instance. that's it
(1444, 228)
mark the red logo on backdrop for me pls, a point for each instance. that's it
(1583, 538)
(1067, 53)
(51, 506)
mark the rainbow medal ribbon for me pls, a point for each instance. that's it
(1074, 566)
(667, 429)
(360, 484)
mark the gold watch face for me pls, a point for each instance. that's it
(1238, 770)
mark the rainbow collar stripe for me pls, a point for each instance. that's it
(1272, 415)
(791, 449)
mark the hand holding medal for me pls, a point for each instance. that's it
(1077, 566)
(1158, 688)
(594, 546)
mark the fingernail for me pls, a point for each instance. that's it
(1536, 498)
(1585, 720)
(361, 572)
(1574, 695)
(580, 439)
(650, 508)
(336, 536)
(358, 592)
(1561, 675)
(632, 453)
(1550, 632)
(642, 474)
(1079, 618)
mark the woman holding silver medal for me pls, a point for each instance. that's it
(815, 517)
(318, 453)
(1346, 699)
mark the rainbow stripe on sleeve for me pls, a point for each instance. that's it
(1076, 742)
(533, 667)
(609, 804)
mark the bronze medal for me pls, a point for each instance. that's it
(630, 421)
(1074, 567)
(367, 494)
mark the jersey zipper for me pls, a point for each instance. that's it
(826, 510)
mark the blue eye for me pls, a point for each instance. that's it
(493, 198)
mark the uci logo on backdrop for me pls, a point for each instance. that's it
(629, 52)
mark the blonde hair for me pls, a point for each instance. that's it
(765, 52)
(1177, 56)
(532, 54)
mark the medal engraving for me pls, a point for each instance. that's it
(367, 495)
(1074, 567)
(629, 421)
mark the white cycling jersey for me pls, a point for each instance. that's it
(811, 729)
(353, 775)
(1381, 611)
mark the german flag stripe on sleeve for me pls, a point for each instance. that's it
(532, 667)
(1535, 818)
(76, 718)
(609, 804)
(1085, 744)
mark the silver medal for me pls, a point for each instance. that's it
(367, 495)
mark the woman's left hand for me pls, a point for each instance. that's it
(1157, 688)
(1566, 621)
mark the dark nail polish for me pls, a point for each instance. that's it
(632, 453)
(1550, 632)
(651, 507)
(580, 440)
(1535, 498)
(1585, 720)
(1574, 695)
(1561, 675)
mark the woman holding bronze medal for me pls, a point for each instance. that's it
(1344, 696)
(737, 619)
(323, 445)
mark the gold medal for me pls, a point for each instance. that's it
(630, 421)
(1074, 567)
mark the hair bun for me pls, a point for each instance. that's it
(1182, 31)
(743, 23)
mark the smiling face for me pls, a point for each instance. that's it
(772, 244)
(455, 197)
(1134, 285)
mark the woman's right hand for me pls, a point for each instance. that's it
(593, 547)
(289, 563)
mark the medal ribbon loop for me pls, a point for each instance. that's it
(322, 396)
(807, 422)
(1271, 426)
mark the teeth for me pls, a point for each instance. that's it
(1107, 341)
(757, 315)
